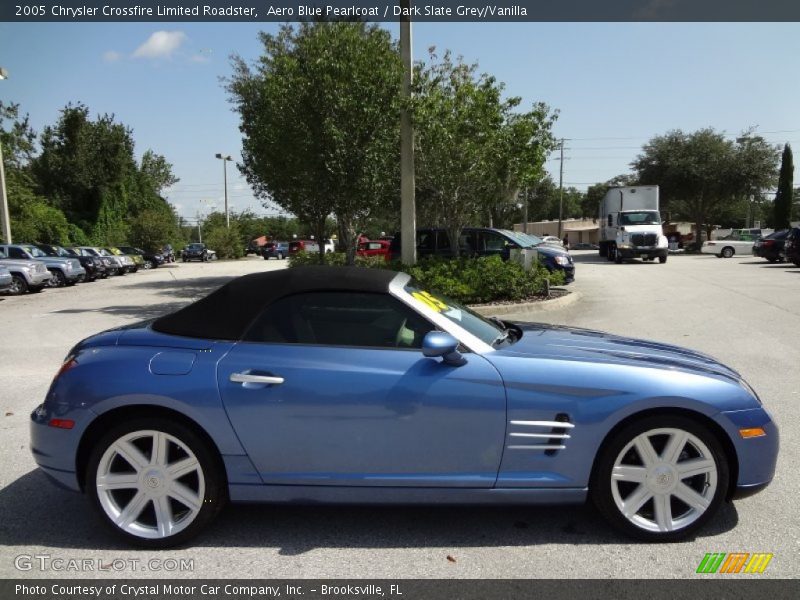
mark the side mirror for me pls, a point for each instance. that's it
(438, 343)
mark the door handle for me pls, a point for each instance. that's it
(251, 378)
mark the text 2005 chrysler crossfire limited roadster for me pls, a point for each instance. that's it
(348, 385)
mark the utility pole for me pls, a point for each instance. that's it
(5, 218)
(561, 191)
(225, 160)
(525, 213)
(408, 211)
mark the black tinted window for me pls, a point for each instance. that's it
(16, 253)
(340, 319)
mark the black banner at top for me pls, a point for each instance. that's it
(392, 10)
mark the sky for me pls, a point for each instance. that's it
(615, 86)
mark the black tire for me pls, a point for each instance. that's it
(18, 285)
(35, 289)
(215, 496)
(611, 252)
(727, 252)
(58, 279)
(603, 250)
(662, 259)
(617, 256)
(601, 484)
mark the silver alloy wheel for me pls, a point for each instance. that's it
(667, 489)
(150, 484)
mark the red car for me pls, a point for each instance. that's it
(374, 248)
(303, 246)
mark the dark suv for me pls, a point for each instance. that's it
(791, 248)
(484, 241)
(195, 252)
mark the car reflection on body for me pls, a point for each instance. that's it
(341, 384)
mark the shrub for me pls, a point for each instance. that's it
(337, 259)
(225, 241)
(467, 280)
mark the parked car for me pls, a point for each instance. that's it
(162, 422)
(93, 265)
(195, 252)
(374, 248)
(63, 271)
(296, 246)
(771, 246)
(26, 275)
(279, 250)
(110, 264)
(553, 240)
(740, 241)
(6, 279)
(480, 241)
(168, 253)
(150, 260)
(791, 248)
(129, 262)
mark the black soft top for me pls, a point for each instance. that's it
(226, 313)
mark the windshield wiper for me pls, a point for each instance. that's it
(498, 322)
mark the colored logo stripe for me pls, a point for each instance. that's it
(714, 562)
(758, 563)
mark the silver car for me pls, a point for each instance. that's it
(5, 278)
(26, 275)
(63, 271)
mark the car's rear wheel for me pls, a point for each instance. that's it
(660, 479)
(155, 482)
(58, 279)
(727, 252)
(662, 259)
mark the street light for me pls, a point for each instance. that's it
(5, 219)
(225, 160)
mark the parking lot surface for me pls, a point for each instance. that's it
(744, 311)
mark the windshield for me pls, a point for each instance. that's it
(63, 251)
(104, 252)
(34, 251)
(195, 246)
(648, 217)
(525, 240)
(459, 314)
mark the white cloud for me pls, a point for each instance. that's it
(111, 56)
(199, 58)
(160, 44)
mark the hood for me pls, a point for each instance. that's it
(548, 250)
(20, 262)
(554, 341)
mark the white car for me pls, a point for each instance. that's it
(740, 241)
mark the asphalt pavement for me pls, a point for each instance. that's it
(742, 310)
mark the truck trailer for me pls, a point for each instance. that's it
(630, 224)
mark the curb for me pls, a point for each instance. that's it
(526, 307)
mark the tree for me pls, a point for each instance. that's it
(783, 198)
(474, 151)
(704, 176)
(319, 116)
(157, 172)
(152, 229)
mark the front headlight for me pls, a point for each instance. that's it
(562, 260)
(28, 270)
(662, 241)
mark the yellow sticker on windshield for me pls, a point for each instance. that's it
(432, 302)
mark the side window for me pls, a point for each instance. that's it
(340, 319)
(466, 243)
(16, 253)
(426, 240)
(442, 241)
(489, 241)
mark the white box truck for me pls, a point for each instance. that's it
(630, 224)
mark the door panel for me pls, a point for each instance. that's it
(365, 417)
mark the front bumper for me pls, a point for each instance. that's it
(647, 252)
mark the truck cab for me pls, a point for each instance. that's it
(630, 225)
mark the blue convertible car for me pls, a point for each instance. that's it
(336, 384)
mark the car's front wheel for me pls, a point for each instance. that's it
(155, 482)
(660, 479)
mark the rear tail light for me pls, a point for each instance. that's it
(66, 366)
(61, 423)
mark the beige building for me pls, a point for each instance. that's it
(578, 231)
